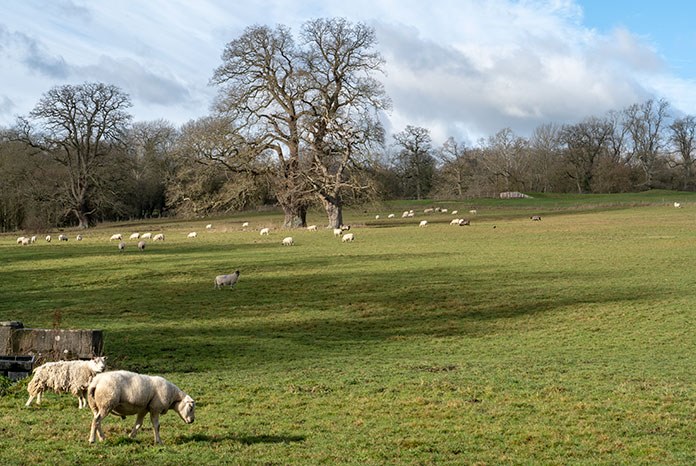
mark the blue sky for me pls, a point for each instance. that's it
(462, 68)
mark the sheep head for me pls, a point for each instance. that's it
(186, 409)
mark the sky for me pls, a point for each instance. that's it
(460, 68)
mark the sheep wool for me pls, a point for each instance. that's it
(63, 377)
(127, 393)
(226, 280)
(348, 237)
(288, 241)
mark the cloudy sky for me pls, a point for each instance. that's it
(462, 68)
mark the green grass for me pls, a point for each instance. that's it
(565, 341)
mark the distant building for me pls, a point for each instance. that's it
(513, 195)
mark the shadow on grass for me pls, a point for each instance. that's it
(243, 439)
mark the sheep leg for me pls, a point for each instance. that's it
(31, 398)
(138, 424)
(96, 427)
(154, 417)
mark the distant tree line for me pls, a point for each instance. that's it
(296, 124)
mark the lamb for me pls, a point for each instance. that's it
(405, 214)
(121, 246)
(226, 280)
(312, 228)
(423, 223)
(265, 231)
(20, 240)
(158, 237)
(464, 222)
(677, 205)
(126, 393)
(209, 226)
(193, 234)
(116, 236)
(78, 238)
(147, 235)
(62, 237)
(134, 236)
(65, 376)
(33, 239)
(48, 238)
(536, 218)
(348, 237)
(376, 217)
(141, 245)
(337, 232)
(454, 221)
(245, 224)
(390, 216)
(288, 241)
(455, 212)
(25, 241)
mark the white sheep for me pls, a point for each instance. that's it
(48, 238)
(429, 210)
(147, 235)
(265, 231)
(134, 236)
(158, 237)
(62, 237)
(141, 245)
(288, 241)
(536, 218)
(245, 224)
(455, 221)
(78, 238)
(25, 241)
(390, 216)
(116, 236)
(63, 377)
(405, 214)
(121, 246)
(209, 226)
(423, 223)
(20, 240)
(312, 228)
(455, 212)
(677, 205)
(33, 239)
(193, 234)
(226, 280)
(473, 212)
(126, 393)
(444, 211)
(376, 217)
(348, 237)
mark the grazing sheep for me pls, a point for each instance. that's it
(134, 236)
(193, 234)
(78, 238)
(226, 280)
(141, 245)
(337, 232)
(32, 239)
(455, 212)
(423, 223)
(63, 377)
(288, 241)
(390, 216)
(245, 224)
(126, 393)
(62, 237)
(265, 231)
(473, 211)
(312, 228)
(345, 227)
(444, 211)
(20, 240)
(677, 205)
(411, 213)
(376, 217)
(48, 238)
(464, 222)
(147, 235)
(25, 241)
(428, 210)
(405, 214)
(209, 226)
(121, 246)
(454, 221)
(117, 236)
(536, 218)
(158, 237)
(348, 237)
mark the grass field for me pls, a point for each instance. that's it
(565, 341)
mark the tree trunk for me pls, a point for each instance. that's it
(295, 216)
(334, 211)
(82, 219)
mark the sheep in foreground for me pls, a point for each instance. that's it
(288, 241)
(265, 231)
(126, 393)
(65, 376)
(226, 280)
(348, 237)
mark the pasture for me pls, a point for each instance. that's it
(565, 341)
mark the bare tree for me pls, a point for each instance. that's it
(456, 175)
(585, 143)
(79, 125)
(343, 130)
(415, 160)
(683, 137)
(505, 157)
(645, 124)
(262, 90)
